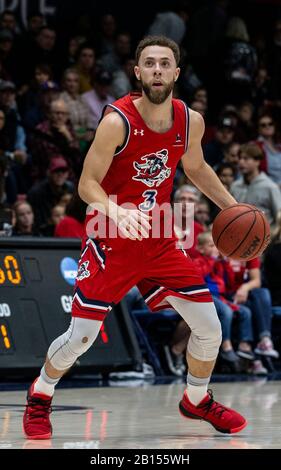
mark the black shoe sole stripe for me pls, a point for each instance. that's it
(187, 414)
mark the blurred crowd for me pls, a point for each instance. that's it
(51, 100)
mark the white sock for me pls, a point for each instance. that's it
(196, 388)
(45, 384)
(196, 394)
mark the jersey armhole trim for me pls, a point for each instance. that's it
(186, 125)
(127, 126)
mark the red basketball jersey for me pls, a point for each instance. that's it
(143, 169)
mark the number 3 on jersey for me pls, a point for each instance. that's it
(150, 200)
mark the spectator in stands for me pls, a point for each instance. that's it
(186, 228)
(270, 142)
(10, 161)
(231, 155)
(8, 183)
(226, 173)
(245, 130)
(123, 78)
(57, 214)
(108, 28)
(274, 59)
(16, 134)
(240, 61)
(24, 224)
(35, 23)
(78, 111)
(112, 61)
(42, 51)
(201, 94)
(244, 285)
(202, 213)
(261, 88)
(3, 73)
(55, 136)
(85, 65)
(3, 173)
(42, 74)
(72, 225)
(32, 106)
(229, 111)
(214, 150)
(188, 81)
(46, 194)
(198, 106)
(65, 199)
(175, 350)
(8, 102)
(255, 187)
(7, 54)
(98, 97)
(171, 23)
(272, 267)
(8, 21)
(69, 56)
(7, 219)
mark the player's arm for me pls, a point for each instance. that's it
(197, 169)
(109, 135)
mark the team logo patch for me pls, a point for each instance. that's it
(83, 271)
(154, 170)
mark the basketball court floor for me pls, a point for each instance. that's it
(145, 416)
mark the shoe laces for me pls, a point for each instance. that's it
(212, 406)
(38, 408)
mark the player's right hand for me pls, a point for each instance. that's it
(132, 223)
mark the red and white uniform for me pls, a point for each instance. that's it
(142, 173)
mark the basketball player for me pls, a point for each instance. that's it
(138, 144)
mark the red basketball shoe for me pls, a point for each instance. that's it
(222, 418)
(36, 421)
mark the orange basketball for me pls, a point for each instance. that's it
(241, 232)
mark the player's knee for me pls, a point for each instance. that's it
(206, 337)
(65, 349)
(216, 331)
(211, 334)
(208, 326)
(83, 334)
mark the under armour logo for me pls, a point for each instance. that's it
(141, 132)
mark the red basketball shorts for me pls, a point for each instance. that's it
(109, 268)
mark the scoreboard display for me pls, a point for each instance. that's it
(37, 277)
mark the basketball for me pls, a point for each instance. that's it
(241, 232)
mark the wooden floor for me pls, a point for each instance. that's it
(146, 417)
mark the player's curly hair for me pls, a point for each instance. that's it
(158, 41)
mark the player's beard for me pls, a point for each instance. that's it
(156, 96)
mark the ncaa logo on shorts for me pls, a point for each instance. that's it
(68, 269)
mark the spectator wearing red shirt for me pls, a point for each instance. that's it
(72, 225)
(245, 288)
